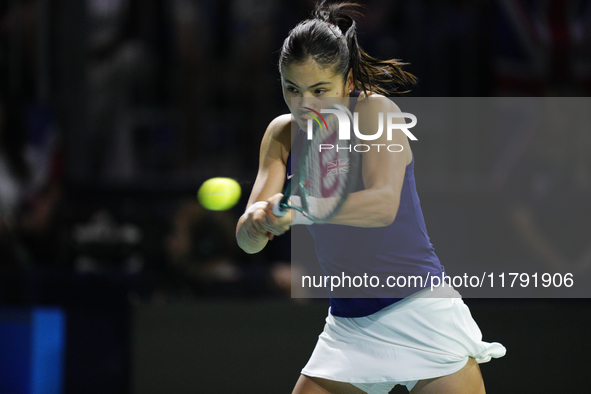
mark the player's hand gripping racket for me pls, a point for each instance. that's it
(324, 170)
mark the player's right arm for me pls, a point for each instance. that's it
(275, 147)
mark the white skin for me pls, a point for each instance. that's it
(375, 206)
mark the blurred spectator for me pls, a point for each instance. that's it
(203, 259)
(15, 172)
(106, 244)
(15, 175)
(30, 184)
(251, 77)
(201, 254)
(121, 76)
(38, 220)
(196, 83)
(30, 157)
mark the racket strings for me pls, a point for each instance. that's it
(327, 166)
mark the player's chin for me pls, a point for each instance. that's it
(301, 124)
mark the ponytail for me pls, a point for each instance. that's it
(330, 38)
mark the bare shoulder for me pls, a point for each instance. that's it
(279, 128)
(374, 103)
(370, 107)
(279, 124)
(277, 138)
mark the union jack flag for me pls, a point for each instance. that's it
(338, 167)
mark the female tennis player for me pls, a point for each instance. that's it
(429, 344)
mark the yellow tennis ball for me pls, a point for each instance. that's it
(219, 194)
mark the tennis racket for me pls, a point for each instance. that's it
(324, 171)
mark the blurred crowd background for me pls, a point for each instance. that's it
(113, 112)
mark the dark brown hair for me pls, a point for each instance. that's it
(330, 39)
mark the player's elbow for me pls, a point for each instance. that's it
(388, 218)
(388, 210)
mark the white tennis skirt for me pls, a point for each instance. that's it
(420, 337)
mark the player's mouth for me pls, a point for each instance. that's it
(304, 115)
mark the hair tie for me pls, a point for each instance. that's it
(336, 28)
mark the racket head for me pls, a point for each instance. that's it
(328, 167)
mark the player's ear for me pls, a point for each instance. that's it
(350, 83)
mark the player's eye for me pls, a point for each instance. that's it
(291, 89)
(320, 92)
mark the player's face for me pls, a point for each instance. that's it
(310, 85)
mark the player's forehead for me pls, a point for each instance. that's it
(308, 73)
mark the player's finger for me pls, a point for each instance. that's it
(274, 230)
(271, 202)
(254, 228)
(258, 217)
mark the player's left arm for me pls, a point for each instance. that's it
(383, 171)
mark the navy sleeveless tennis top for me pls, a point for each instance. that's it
(402, 248)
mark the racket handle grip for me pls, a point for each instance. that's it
(277, 210)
